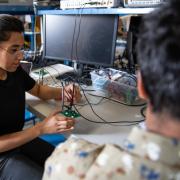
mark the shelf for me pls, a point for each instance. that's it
(16, 10)
(119, 11)
(21, 9)
(28, 9)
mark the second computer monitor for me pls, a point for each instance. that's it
(88, 39)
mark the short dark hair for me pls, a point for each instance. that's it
(9, 24)
(158, 51)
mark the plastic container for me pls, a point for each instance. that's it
(122, 92)
(99, 82)
(122, 89)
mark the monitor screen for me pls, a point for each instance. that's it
(87, 39)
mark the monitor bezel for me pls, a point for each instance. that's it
(110, 64)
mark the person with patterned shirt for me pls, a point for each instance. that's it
(152, 153)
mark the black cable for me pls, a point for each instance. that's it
(91, 103)
(142, 111)
(108, 123)
(111, 122)
(62, 96)
(92, 107)
(131, 105)
(73, 37)
(104, 121)
(79, 30)
(76, 80)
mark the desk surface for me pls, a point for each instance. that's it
(98, 133)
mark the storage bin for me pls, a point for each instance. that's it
(98, 82)
(122, 89)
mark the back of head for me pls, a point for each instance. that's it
(9, 24)
(158, 50)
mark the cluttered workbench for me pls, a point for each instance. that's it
(102, 120)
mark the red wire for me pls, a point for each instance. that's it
(72, 100)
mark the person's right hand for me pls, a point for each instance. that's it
(56, 123)
(70, 91)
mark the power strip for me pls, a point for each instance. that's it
(71, 4)
(142, 3)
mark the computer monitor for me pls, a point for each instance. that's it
(87, 39)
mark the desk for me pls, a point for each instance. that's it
(97, 133)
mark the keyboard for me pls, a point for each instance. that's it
(68, 76)
(48, 74)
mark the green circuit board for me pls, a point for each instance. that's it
(70, 113)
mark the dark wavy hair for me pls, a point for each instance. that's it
(9, 24)
(158, 51)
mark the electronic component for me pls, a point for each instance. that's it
(70, 113)
(70, 4)
(67, 109)
(46, 2)
(142, 3)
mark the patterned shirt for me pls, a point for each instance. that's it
(145, 156)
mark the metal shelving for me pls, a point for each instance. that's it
(119, 11)
(16, 9)
(21, 9)
(28, 9)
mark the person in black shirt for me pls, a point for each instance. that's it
(22, 153)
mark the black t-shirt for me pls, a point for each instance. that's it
(12, 100)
